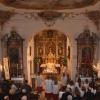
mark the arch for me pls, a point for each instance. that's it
(52, 41)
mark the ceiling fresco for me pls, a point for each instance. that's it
(49, 4)
(4, 16)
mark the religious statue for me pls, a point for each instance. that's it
(97, 68)
(50, 63)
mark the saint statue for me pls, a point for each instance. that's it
(50, 63)
(97, 68)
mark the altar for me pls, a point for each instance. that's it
(50, 67)
(50, 52)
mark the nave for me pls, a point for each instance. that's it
(49, 49)
(51, 88)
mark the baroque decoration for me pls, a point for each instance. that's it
(5, 16)
(86, 50)
(95, 17)
(49, 17)
(12, 48)
(50, 49)
(49, 4)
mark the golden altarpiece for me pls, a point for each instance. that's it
(86, 49)
(50, 51)
(12, 49)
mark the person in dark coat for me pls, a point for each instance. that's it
(66, 94)
(5, 87)
(26, 89)
(97, 95)
(1, 94)
(12, 94)
(88, 95)
(77, 94)
(26, 86)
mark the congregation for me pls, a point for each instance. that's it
(54, 89)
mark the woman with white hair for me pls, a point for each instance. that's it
(77, 94)
(24, 97)
(6, 97)
(66, 94)
(23, 94)
(12, 94)
(69, 97)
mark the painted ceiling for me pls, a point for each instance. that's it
(49, 4)
(50, 10)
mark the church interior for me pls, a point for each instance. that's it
(50, 37)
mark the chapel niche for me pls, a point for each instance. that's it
(86, 49)
(12, 49)
(50, 46)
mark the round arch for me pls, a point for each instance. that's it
(48, 41)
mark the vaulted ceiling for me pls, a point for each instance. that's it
(50, 9)
(49, 4)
